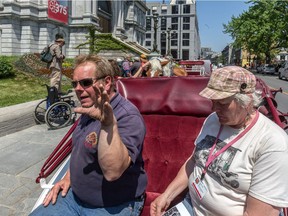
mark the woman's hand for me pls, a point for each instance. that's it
(159, 205)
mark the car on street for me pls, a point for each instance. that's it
(259, 68)
(268, 69)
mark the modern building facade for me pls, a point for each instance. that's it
(25, 25)
(172, 28)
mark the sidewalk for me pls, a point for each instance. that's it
(22, 155)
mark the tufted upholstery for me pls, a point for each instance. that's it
(173, 112)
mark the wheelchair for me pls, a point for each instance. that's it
(56, 110)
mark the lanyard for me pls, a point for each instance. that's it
(212, 156)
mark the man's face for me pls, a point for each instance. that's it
(229, 112)
(86, 94)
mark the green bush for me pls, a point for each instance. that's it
(6, 68)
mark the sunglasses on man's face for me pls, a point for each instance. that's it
(84, 83)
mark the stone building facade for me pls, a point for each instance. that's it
(26, 28)
(176, 28)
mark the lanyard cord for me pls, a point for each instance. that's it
(212, 156)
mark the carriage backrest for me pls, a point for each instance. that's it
(167, 95)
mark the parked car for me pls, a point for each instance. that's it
(283, 71)
(268, 69)
(259, 68)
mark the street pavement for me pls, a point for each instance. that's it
(24, 147)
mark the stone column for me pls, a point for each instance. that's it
(118, 20)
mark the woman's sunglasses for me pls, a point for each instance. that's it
(84, 83)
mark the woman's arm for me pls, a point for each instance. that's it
(140, 70)
(255, 207)
(178, 185)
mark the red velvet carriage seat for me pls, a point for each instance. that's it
(173, 112)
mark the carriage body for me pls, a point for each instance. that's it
(173, 112)
(197, 67)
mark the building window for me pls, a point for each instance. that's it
(163, 23)
(186, 19)
(149, 12)
(148, 43)
(174, 42)
(186, 26)
(186, 9)
(174, 35)
(185, 42)
(164, 9)
(175, 9)
(185, 54)
(174, 53)
(148, 35)
(174, 20)
(185, 36)
(154, 10)
(163, 36)
(174, 26)
(163, 44)
(148, 24)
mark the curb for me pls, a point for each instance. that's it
(18, 110)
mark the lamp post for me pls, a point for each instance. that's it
(155, 19)
(168, 33)
(180, 30)
(169, 41)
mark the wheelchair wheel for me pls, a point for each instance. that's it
(58, 115)
(39, 112)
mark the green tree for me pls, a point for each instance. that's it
(262, 30)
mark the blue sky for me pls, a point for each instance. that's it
(211, 15)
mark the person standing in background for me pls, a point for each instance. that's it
(55, 66)
(126, 67)
(135, 66)
(144, 60)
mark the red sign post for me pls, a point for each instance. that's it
(58, 10)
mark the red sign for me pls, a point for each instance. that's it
(58, 10)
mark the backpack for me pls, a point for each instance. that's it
(46, 55)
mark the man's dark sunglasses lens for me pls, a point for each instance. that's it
(85, 83)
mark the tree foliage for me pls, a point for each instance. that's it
(263, 29)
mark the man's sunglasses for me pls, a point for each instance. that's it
(84, 83)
